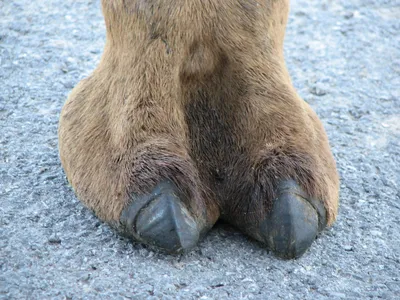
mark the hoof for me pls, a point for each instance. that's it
(160, 219)
(294, 222)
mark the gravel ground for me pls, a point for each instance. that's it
(344, 57)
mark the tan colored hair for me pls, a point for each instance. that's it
(198, 92)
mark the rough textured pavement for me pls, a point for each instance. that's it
(344, 57)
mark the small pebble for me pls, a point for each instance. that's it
(318, 91)
(348, 15)
(54, 239)
(348, 248)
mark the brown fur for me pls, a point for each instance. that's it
(198, 92)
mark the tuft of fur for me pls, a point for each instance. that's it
(196, 92)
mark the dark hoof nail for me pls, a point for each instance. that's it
(294, 222)
(161, 219)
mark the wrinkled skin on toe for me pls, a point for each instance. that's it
(191, 116)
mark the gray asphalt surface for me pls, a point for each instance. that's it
(344, 58)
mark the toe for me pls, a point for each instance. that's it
(162, 220)
(293, 223)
